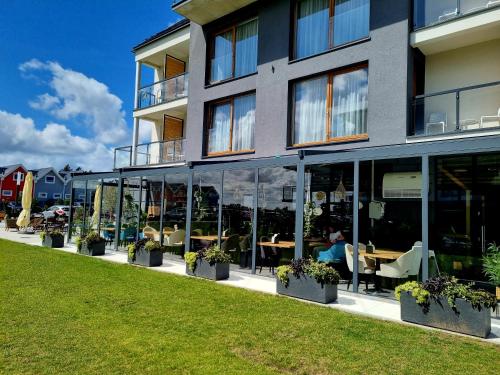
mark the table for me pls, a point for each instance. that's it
(210, 238)
(381, 254)
(281, 244)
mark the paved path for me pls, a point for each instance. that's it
(354, 303)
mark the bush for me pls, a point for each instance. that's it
(212, 255)
(146, 244)
(322, 273)
(53, 234)
(90, 239)
(449, 288)
(491, 264)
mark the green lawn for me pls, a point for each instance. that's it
(63, 313)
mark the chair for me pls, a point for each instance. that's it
(245, 251)
(151, 233)
(10, 224)
(197, 232)
(36, 223)
(2, 216)
(366, 267)
(432, 254)
(490, 119)
(437, 123)
(406, 265)
(232, 246)
(108, 233)
(176, 238)
(128, 235)
(268, 259)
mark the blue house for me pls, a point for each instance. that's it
(49, 186)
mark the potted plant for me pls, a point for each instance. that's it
(91, 244)
(53, 239)
(442, 302)
(491, 266)
(211, 263)
(146, 252)
(309, 280)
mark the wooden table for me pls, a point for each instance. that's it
(381, 254)
(281, 244)
(210, 238)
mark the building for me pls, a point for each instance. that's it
(49, 186)
(10, 189)
(377, 118)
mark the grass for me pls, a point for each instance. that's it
(63, 313)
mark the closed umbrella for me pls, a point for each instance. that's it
(97, 208)
(23, 221)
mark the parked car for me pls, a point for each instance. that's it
(55, 211)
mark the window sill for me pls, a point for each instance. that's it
(337, 48)
(334, 141)
(228, 153)
(218, 83)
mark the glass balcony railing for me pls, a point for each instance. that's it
(163, 92)
(467, 109)
(163, 152)
(431, 12)
(177, 2)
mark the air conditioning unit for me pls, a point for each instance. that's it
(407, 185)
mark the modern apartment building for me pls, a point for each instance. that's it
(379, 119)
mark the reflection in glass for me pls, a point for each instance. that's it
(174, 214)
(108, 218)
(222, 61)
(130, 210)
(312, 27)
(150, 207)
(246, 48)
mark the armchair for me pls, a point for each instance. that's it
(406, 265)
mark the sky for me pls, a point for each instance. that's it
(67, 78)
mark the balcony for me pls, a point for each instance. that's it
(163, 91)
(148, 154)
(449, 24)
(205, 11)
(459, 112)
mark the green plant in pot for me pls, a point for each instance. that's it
(146, 253)
(53, 239)
(91, 244)
(491, 266)
(212, 263)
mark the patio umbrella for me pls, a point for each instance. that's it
(23, 221)
(97, 207)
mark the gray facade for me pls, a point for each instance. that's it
(386, 51)
(44, 185)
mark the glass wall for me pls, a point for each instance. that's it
(92, 201)
(174, 213)
(205, 211)
(131, 200)
(150, 207)
(108, 203)
(237, 215)
(277, 193)
(78, 208)
(463, 212)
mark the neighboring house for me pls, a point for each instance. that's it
(9, 189)
(49, 185)
(380, 119)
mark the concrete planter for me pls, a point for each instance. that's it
(147, 258)
(55, 242)
(95, 249)
(217, 271)
(307, 288)
(468, 321)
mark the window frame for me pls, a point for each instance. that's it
(329, 106)
(209, 122)
(67, 196)
(331, 28)
(211, 55)
(50, 182)
(42, 195)
(15, 175)
(7, 193)
(57, 196)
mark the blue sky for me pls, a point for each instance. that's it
(67, 77)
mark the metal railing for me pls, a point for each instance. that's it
(466, 109)
(163, 91)
(177, 2)
(432, 12)
(154, 153)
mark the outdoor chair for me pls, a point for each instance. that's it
(10, 224)
(37, 224)
(108, 233)
(406, 265)
(232, 246)
(151, 233)
(366, 266)
(2, 216)
(175, 242)
(437, 123)
(245, 251)
(266, 258)
(490, 121)
(128, 235)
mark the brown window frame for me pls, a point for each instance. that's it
(231, 28)
(210, 114)
(329, 106)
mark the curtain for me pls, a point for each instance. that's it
(246, 48)
(222, 61)
(310, 110)
(312, 27)
(244, 123)
(350, 103)
(351, 20)
(219, 132)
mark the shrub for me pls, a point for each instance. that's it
(212, 255)
(54, 233)
(90, 239)
(321, 272)
(146, 244)
(449, 288)
(190, 259)
(491, 264)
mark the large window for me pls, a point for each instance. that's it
(325, 24)
(234, 52)
(231, 125)
(331, 107)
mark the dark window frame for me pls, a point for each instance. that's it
(329, 106)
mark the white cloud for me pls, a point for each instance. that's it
(145, 131)
(54, 145)
(77, 96)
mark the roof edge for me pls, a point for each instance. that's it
(169, 30)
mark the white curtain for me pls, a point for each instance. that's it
(310, 110)
(222, 61)
(219, 132)
(351, 20)
(244, 123)
(246, 48)
(312, 27)
(350, 103)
